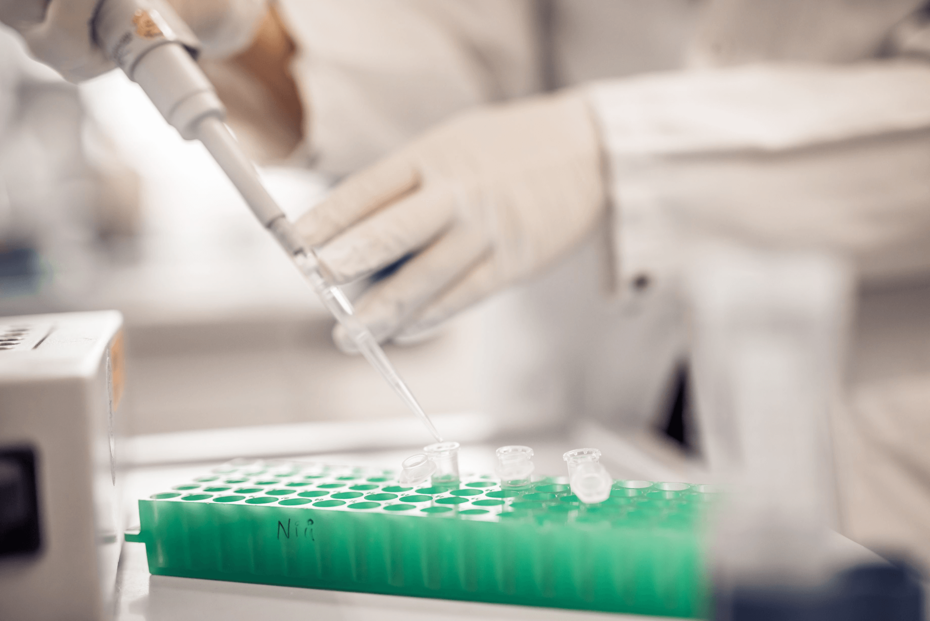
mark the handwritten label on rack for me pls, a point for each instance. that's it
(299, 529)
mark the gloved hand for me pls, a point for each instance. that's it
(486, 199)
(58, 32)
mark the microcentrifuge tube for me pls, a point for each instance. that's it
(514, 466)
(445, 457)
(416, 471)
(589, 479)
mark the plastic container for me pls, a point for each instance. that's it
(417, 471)
(588, 478)
(353, 529)
(514, 466)
(445, 459)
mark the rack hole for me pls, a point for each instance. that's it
(488, 502)
(329, 503)
(196, 497)
(416, 498)
(451, 500)
(364, 505)
(466, 492)
(380, 497)
(261, 500)
(400, 507)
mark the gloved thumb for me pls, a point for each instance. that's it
(20, 14)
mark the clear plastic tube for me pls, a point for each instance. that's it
(514, 466)
(445, 458)
(417, 471)
(588, 477)
(229, 155)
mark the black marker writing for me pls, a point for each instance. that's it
(307, 529)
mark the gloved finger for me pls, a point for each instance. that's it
(21, 14)
(63, 40)
(387, 235)
(390, 303)
(357, 197)
(479, 283)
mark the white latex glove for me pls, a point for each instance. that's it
(58, 32)
(483, 200)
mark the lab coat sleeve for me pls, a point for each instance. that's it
(373, 75)
(806, 156)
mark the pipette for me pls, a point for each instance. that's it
(154, 48)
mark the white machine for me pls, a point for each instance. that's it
(61, 381)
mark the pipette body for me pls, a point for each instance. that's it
(155, 49)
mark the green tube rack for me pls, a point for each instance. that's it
(353, 529)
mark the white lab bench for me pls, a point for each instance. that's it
(142, 596)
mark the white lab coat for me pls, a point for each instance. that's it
(788, 129)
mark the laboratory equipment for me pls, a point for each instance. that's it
(588, 477)
(445, 459)
(514, 466)
(359, 529)
(416, 471)
(61, 382)
(154, 48)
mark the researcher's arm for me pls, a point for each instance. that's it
(827, 157)
(373, 75)
(257, 86)
(806, 156)
(336, 84)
